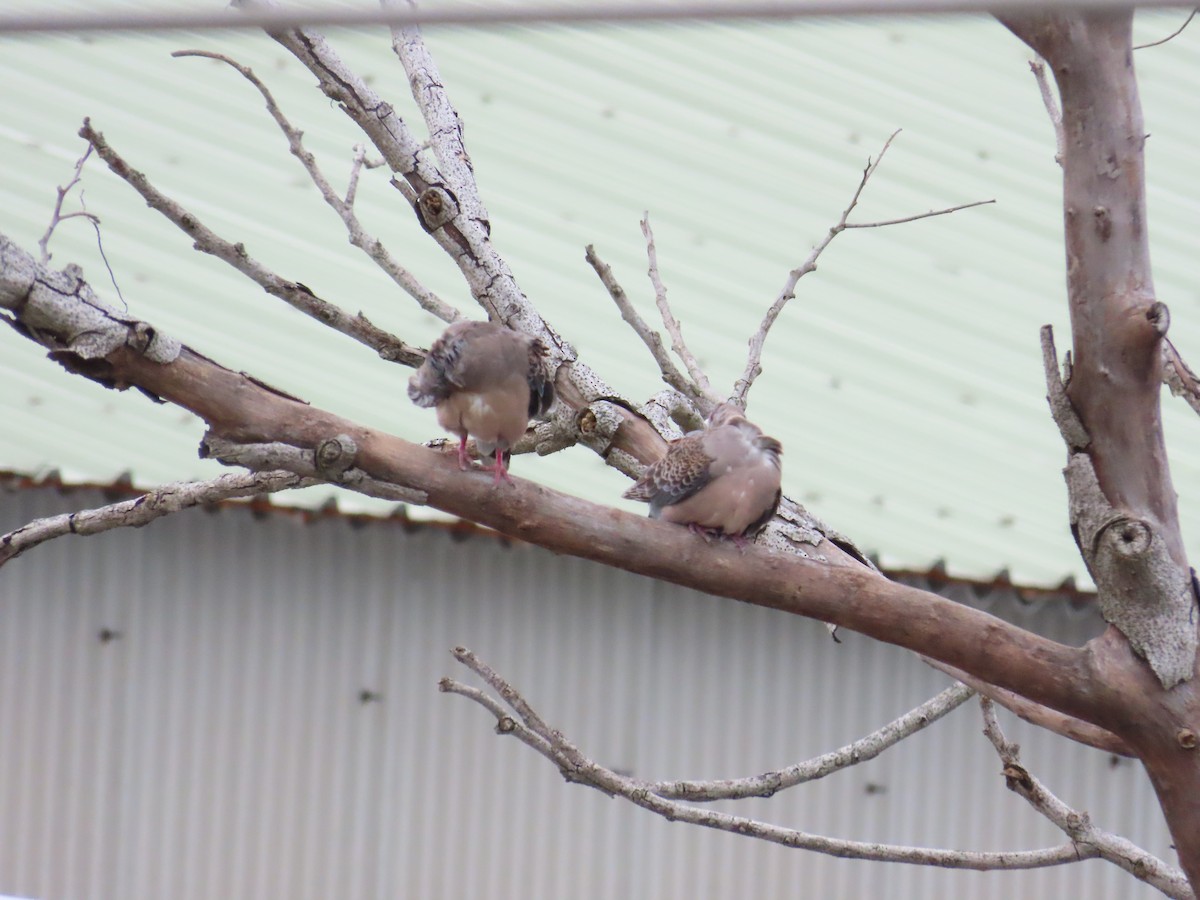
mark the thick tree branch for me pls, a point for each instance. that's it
(1078, 825)
(533, 731)
(833, 588)
(152, 505)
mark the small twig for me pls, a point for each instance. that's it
(758, 340)
(860, 751)
(358, 236)
(577, 768)
(1077, 825)
(58, 216)
(112, 276)
(153, 504)
(293, 293)
(674, 331)
(651, 338)
(1178, 31)
(1062, 411)
(358, 162)
(1038, 67)
(1179, 377)
(924, 215)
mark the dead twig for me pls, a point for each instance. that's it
(58, 215)
(671, 324)
(758, 340)
(1178, 31)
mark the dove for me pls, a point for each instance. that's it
(486, 381)
(724, 479)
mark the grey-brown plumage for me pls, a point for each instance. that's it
(486, 381)
(724, 479)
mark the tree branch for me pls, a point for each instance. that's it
(152, 505)
(344, 207)
(704, 392)
(1067, 726)
(293, 293)
(57, 216)
(833, 588)
(860, 751)
(757, 341)
(1179, 377)
(651, 338)
(577, 768)
(1078, 825)
(1038, 68)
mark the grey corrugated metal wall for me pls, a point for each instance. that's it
(181, 716)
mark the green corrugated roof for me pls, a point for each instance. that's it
(904, 380)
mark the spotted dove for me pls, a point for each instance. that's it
(722, 480)
(486, 381)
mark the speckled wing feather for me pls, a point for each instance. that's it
(675, 477)
(441, 373)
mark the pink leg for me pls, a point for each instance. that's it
(499, 472)
(464, 462)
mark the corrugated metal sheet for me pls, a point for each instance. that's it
(184, 716)
(905, 382)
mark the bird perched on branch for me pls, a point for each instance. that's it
(486, 381)
(723, 480)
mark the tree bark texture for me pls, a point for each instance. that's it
(1122, 502)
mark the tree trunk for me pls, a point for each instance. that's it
(1123, 505)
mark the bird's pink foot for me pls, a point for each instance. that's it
(464, 462)
(499, 472)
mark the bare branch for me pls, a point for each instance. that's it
(359, 236)
(1077, 825)
(754, 360)
(1038, 67)
(1061, 410)
(291, 292)
(359, 161)
(672, 324)
(57, 216)
(441, 118)
(861, 750)
(925, 215)
(163, 501)
(822, 582)
(1178, 31)
(331, 462)
(759, 338)
(1179, 377)
(1035, 714)
(577, 768)
(653, 341)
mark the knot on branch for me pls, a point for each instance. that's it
(1159, 316)
(1142, 590)
(1129, 537)
(334, 456)
(436, 207)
